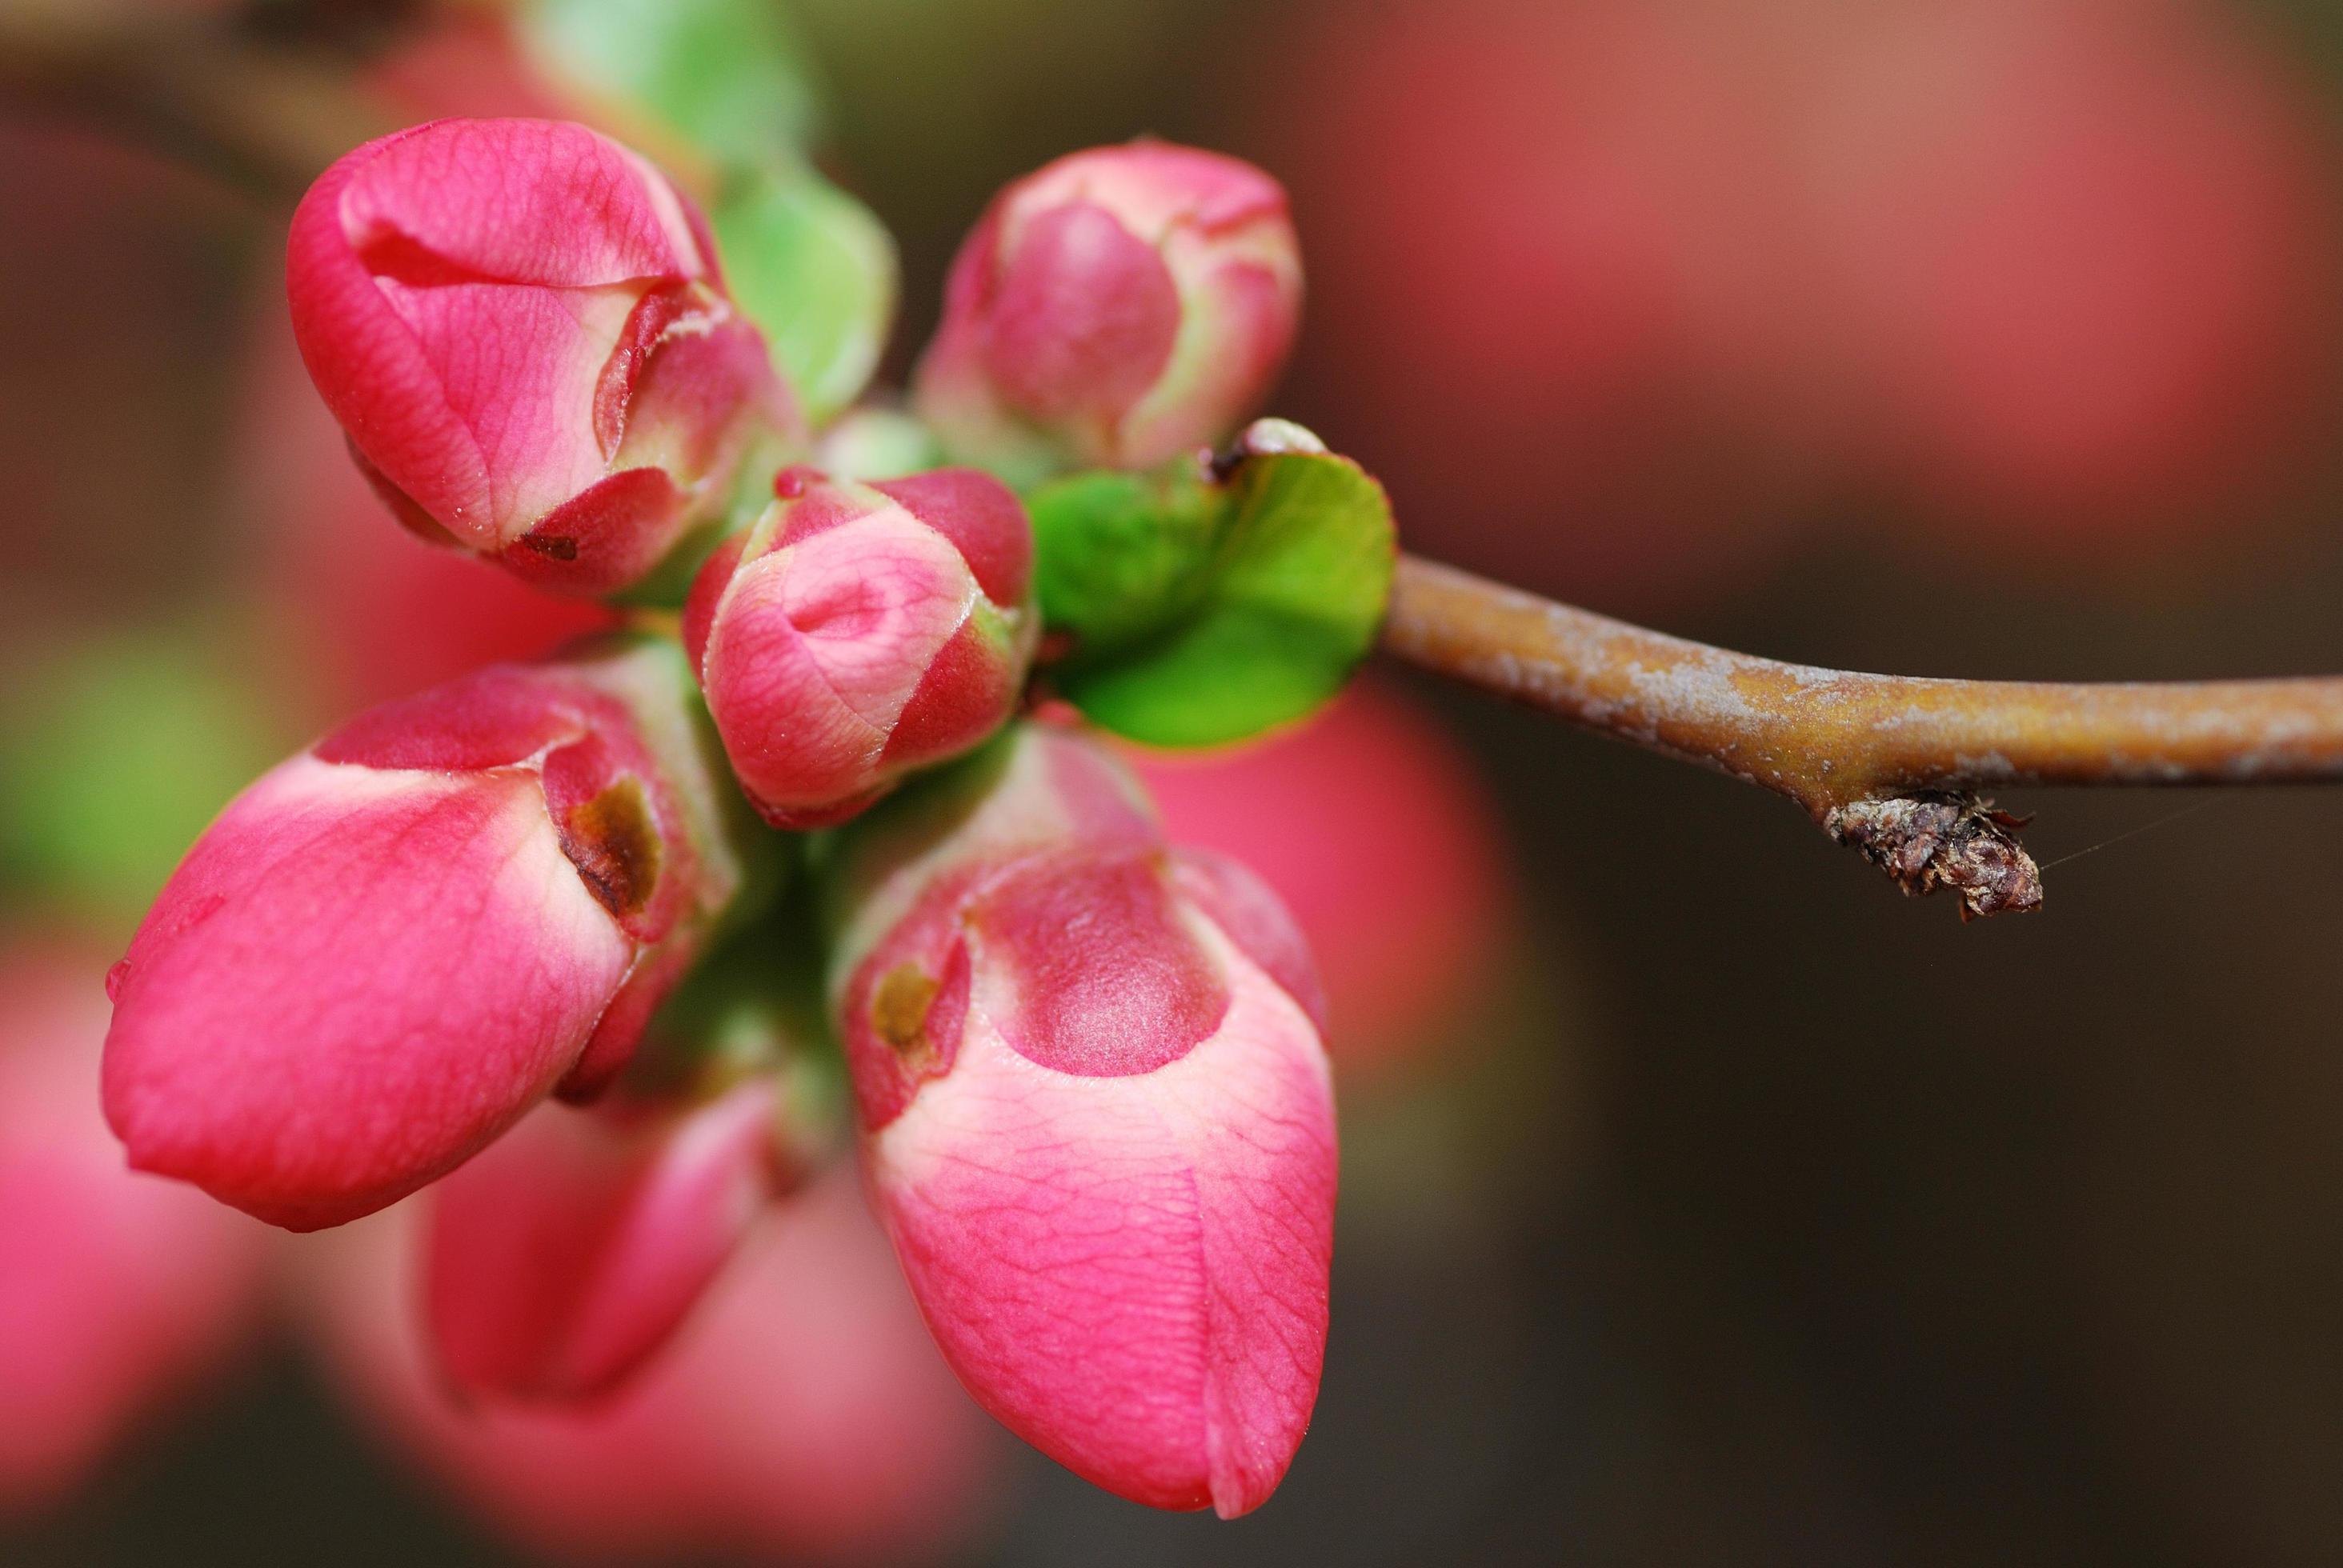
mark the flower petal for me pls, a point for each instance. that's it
(354, 981)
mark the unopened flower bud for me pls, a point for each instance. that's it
(802, 1415)
(523, 330)
(859, 631)
(570, 1251)
(1119, 307)
(390, 947)
(1097, 1120)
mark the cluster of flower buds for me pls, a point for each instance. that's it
(1119, 307)
(1090, 1069)
(1098, 1118)
(859, 631)
(522, 328)
(394, 944)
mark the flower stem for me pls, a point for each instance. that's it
(1889, 764)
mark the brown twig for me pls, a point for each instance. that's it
(1890, 765)
(265, 121)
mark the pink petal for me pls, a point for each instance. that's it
(522, 326)
(1230, 895)
(971, 685)
(354, 980)
(1083, 317)
(456, 290)
(814, 652)
(1085, 967)
(544, 203)
(519, 366)
(1040, 788)
(1130, 1272)
(801, 1410)
(1376, 832)
(1118, 306)
(569, 1252)
(496, 717)
(1153, 184)
(983, 520)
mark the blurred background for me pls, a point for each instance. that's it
(1704, 1200)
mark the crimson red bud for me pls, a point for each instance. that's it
(522, 328)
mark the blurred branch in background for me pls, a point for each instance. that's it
(263, 118)
(1888, 765)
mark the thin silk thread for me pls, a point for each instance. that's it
(2204, 805)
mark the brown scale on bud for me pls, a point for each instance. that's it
(614, 843)
(1937, 841)
(899, 1013)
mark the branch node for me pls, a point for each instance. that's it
(1933, 839)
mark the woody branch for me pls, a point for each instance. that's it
(1890, 765)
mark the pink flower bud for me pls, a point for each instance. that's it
(1120, 306)
(861, 631)
(802, 1412)
(522, 326)
(1097, 1120)
(390, 947)
(569, 1252)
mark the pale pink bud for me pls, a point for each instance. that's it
(569, 1251)
(390, 947)
(861, 631)
(1097, 1122)
(803, 1411)
(1120, 306)
(117, 1290)
(522, 329)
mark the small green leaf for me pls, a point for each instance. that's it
(817, 273)
(727, 76)
(1121, 558)
(1298, 570)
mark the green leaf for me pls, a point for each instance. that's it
(1260, 633)
(817, 273)
(727, 76)
(1121, 558)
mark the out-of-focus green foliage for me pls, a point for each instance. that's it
(816, 272)
(878, 442)
(727, 76)
(810, 264)
(113, 759)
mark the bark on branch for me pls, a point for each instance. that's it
(1890, 765)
